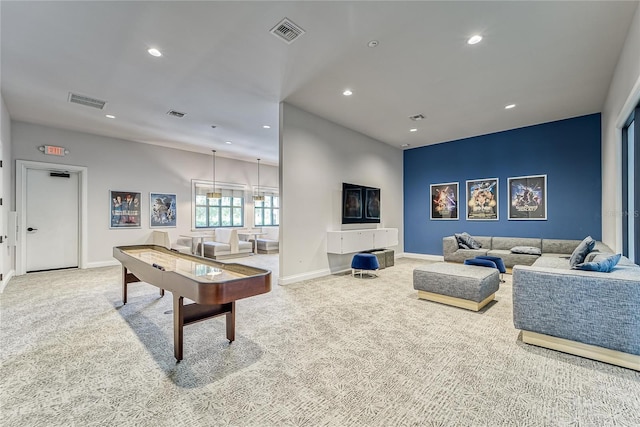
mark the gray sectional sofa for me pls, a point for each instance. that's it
(501, 247)
(586, 313)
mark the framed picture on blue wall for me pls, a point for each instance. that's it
(162, 210)
(444, 201)
(482, 199)
(527, 197)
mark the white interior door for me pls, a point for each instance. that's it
(52, 218)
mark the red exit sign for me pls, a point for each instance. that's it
(54, 150)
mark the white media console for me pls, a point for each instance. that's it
(350, 241)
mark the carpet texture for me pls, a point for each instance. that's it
(335, 351)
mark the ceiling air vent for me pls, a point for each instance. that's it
(287, 31)
(86, 101)
(417, 117)
(175, 113)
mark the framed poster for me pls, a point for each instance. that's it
(125, 209)
(527, 197)
(482, 199)
(162, 210)
(444, 201)
(352, 204)
(372, 204)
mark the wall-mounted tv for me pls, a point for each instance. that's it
(360, 204)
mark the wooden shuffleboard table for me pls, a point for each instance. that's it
(213, 286)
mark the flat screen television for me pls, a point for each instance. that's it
(360, 204)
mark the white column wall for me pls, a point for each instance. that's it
(115, 164)
(316, 157)
(624, 93)
(7, 256)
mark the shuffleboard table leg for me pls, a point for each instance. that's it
(178, 325)
(231, 322)
(124, 285)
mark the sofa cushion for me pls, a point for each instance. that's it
(506, 243)
(530, 250)
(467, 240)
(604, 266)
(579, 254)
(559, 246)
(510, 259)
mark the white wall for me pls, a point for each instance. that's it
(7, 255)
(115, 164)
(316, 157)
(624, 93)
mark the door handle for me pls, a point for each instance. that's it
(32, 229)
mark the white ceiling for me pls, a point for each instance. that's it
(222, 66)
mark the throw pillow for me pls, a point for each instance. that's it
(579, 253)
(465, 238)
(604, 266)
(529, 250)
(463, 246)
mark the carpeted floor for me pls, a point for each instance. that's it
(336, 351)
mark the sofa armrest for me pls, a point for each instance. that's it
(449, 245)
(601, 309)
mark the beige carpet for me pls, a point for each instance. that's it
(337, 351)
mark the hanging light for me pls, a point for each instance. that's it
(258, 197)
(214, 194)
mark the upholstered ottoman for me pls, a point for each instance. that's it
(465, 286)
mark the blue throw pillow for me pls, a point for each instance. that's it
(604, 266)
(579, 253)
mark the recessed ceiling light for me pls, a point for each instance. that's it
(413, 130)
(347, 92)
(510, 106)
(373, 43)
(227, 142)
(405, 145)
(110, 116)
(475, 39)
(266, 127)
(154, 52)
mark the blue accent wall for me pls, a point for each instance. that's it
(567, 151)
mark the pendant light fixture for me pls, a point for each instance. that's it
(257, 197)
(214, 194)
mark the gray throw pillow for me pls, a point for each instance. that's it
(466, 239)
(579, 253)
(529, 250)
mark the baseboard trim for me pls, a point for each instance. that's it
(425, 257)
(5, 280)
(307, 276)
(98, 264)
(614, 357)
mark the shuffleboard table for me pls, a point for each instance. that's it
(213, 286)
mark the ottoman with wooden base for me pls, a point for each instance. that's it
(465, 286)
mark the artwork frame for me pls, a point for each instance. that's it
(124, 210)
(360, 204)
(162, 210)
(444, 201)
(527, 198)
(372, 204)
(483, 199)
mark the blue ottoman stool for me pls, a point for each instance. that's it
(499, 264)
(363, 262)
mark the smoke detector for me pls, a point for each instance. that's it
(175, 113)
(86, 101)
(287, 31)
(417, 117)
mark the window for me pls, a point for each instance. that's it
(630, 189)
(267, 212)
(227, 211)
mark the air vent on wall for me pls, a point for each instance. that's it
(417, 117)
(86, 101)
(287, 31)
(175, 113)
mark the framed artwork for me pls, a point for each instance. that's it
(444, 201)
(162, 210)
(482, 199)
(352, 204)
(527, 197)
(125, 209)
